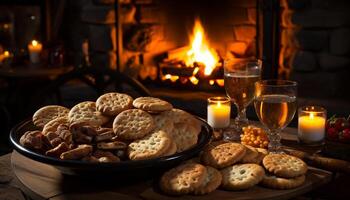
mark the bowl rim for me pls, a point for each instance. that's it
(13, 136)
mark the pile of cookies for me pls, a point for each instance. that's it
(233, 166)
(115, 127)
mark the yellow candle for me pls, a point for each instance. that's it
(311, 128)
(219, 114)
(34, 49)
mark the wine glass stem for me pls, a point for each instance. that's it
(241, 118)
(274, 141)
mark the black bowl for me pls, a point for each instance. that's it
(75, 167)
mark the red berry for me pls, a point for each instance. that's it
(339, 123)
(332, 134)
(346, 135)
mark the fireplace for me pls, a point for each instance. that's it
(183, 43)
(302, 40)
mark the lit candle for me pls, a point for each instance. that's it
(4, 56)
(311, 124)
(34, 49)
(219, 109)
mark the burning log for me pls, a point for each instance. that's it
(175, 71)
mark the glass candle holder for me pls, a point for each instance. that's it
(312, 125)
(219, 112)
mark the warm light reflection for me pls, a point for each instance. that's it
(211, 82)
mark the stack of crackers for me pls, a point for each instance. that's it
(233, 166)
(114, 128)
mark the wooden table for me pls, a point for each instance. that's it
(39, 181)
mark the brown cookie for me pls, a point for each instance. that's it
(210, 183)
(183, 179)
(48, 113)
(275, 182)
(283, 165)
(152, 146)
(133, 124)
(241, 176)
(151, 104)
(52, 125)
(113, 103)
(86, 112)
(223, 155)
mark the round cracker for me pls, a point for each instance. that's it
(241, 176)
(184, 135)
(171, 150)
(275, 182)
(152, 104)
(152, 146)
(163, 122)
(48, 113)
(133, 124)
(52, 125)
(113, 103)
(223, 155)
(251, 155)
(210, 183)
(86, 112)
(284, 165)
(183, 179)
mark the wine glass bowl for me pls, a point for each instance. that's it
(240, 76)
(275, 104)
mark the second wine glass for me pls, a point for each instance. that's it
(275, 104)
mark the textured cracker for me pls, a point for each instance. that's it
(171, 150)
(152, 146)
(284, 165)
(241, 176)
(223, 155)
(184, 135)
(48, 113)
(183, 179)
(113, 103)
(210, 183)
(52, 125)
(133, 124)
(151, 104)
(163, 122)
(86, 112)
(274, 182)
(251, 155)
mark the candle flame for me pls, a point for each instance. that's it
(6, 53)
(311, 115)
(34, 43)
(219, 104)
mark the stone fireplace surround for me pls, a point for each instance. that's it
(314, 45)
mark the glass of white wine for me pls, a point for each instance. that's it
(240, 76)
(275, 104)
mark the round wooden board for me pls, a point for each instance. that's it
(43, 181)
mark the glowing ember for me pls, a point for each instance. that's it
(194, 80)
(200, 51)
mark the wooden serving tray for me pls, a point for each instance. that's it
(42, 181)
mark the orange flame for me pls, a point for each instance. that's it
(200, 51)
